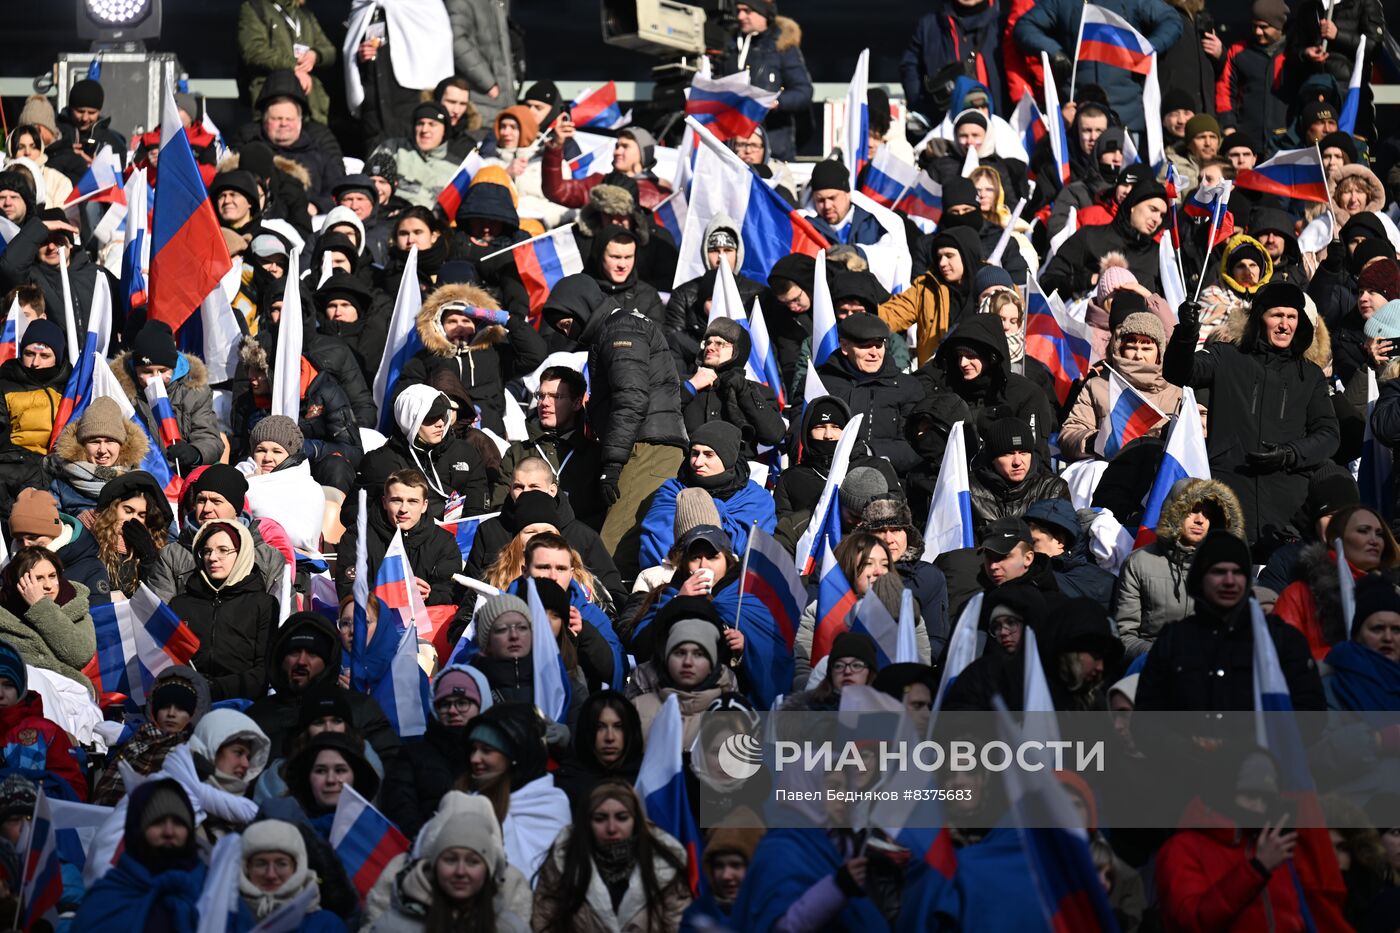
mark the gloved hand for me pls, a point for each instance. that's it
(1062, 67)
(1270, 458)
(608, 482)
(138, 540)
(1188, 313)
(313, 448)
(183, 456)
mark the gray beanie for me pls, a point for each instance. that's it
(493, 609)
(1144, 324)
(694, 631)
(860, 486)
(280, 430)
(470, 831)
(728, 329)
(693, 507)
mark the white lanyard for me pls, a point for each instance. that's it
(562, 463)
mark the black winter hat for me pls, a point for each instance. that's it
(552, 597)
(1217, 547)
(281, 83)
(862, 328)
(46, 332)
(1279, 295)
(826, 410)
(798, 268)
(1143, 190)
(1342, 141)
(298, 769)
(765, 8)
(257, 157)
(1243, 140)
(324, 699)
(130, 485)
(226, 481)
(361, 182)
(488, 201)
(722, 437)
(534, 507)
(240, 180)
(896, 679)
(879, 102)
(86, 93)
(1178, 98)
(1373, 594)
(1329, 493)
(856, 645)
(19, 183)
(863, 286)
(1007, 434)
(830, 174)
(429, 110)
(958, 191)
(155, 345)
(177, 693)
(345, 286)
(546, 92)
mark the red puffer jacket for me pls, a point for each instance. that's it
(34, 744)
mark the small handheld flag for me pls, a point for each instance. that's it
(364, 839)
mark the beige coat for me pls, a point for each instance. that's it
(1081, 429)
(597, 914)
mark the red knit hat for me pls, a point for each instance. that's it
(1381, 276)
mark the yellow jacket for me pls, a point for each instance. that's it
(925, 303)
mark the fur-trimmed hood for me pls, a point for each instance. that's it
(295, 169)
(613, 199)
(1192, 491)
(789, 33)
(134, 447)
(1319, 352)
(1375, 191)
(430, 324)
(195, 374)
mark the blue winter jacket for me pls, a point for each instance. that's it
(752, 503)
(775, 63)
(1052, 26)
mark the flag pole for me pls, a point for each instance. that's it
(744, 572)
(1219, 212)
(1074, 68)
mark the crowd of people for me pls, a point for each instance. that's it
(619, 456)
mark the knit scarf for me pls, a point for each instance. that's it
(615, 860)
(262, 903)
(88, 478)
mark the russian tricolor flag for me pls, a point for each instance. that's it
(542, 261)
(78, 392)
(924, 199)
(770, 577)
(186, 241)
(661, 785)
(761, 355)
(835, 597)
(551, 679)
(599, 109)
(962, 646)
(872, 619)
(595, 148)
(8, 229)
(450, 198)
(826, 517)
(1206, 200)
(104, 384)
(403, 340)
(729, 106)
(1028, 122)
(42, 885)
(136, 248)
(464, 530)
(1109, 39)
(1056, 339)
(1185, 456)
(888, 178)
(670, 214)
(1129, 416)
(1351, 106)
(15, 324)
(1055, 117)
(165, 415)
(364, 839)
(857, 126)
(949, 526)
(136, 640)
(825, 340)
(1291, 173)
(102, 182)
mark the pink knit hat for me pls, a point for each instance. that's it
(1113, 275)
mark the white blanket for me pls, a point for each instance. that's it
(67, 703)
(537, 812)
(420, 44)
(292, 499)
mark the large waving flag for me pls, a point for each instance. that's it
(286, 373)
(1130, 415)
(825, 340)
(1059, 137)
(1291, 173)
(15, 324)
(599, 109)
(1185, 456)
(888, 178)
(949, 526)
(451, 196)
(188, 255)
(873, 619)
(1351, 106)
(364, 839)
(42, 885)
(1317, 879)
(102, 182)
(924, 200)
(729, 106)
(826, 517)
(661, 785)
(769, 576)
(962, 646)
(552, 689)
(1055, 844)
(542, 261)
(137, 638)
(136, 247)
(403, 340)
(1028, 122)
(1109, 39)
(723, 183)
(1056, 339)
(888, 257)
(856, 130)
(403, 693)
(836, 598)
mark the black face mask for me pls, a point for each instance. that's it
(822, 450)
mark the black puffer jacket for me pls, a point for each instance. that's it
(1259, 396)
(885, 399)
(1073, 269)
(495, 355)
(326, 414)
(1353, 19)
(993, 497)
(997, 392)
(686, 316)
(749, 406)
(635, 392)
(799, 487)
(364, 338)
(277, 714)
(234, 625)
(432, 553)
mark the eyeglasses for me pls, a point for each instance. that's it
(553, 397)
(747, 147)
(719, 343)
(1004, 625)
(511, 628)
(219, 552)
(455, 702)
(849, 667)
